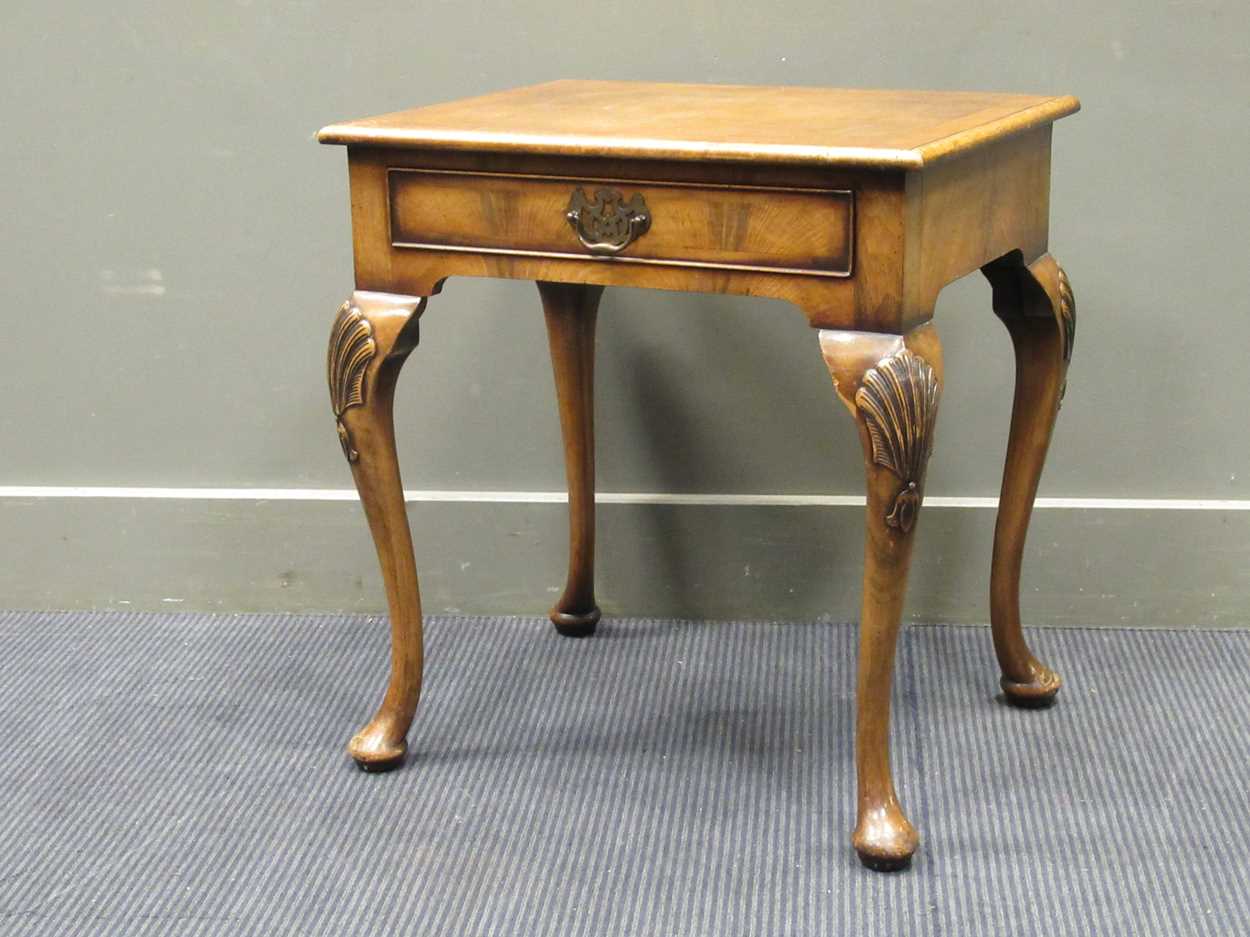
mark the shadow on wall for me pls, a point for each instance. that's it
(724, 415)
(664, 406)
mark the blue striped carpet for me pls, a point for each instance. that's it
(185, 774)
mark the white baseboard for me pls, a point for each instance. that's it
(489, 553)
(604, 497)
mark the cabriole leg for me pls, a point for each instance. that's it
(571, 310)
(1035, 302)
(372, 336)
(891, 384)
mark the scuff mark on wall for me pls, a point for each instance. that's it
(149, 282)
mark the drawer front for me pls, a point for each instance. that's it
(773, 230)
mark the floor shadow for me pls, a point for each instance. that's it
(740, 734)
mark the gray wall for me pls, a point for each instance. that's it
(175, 245)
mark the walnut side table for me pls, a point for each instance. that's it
(857, 207)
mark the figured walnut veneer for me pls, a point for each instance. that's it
(857, 207)
(765, 230)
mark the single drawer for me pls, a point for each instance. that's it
(772, 230)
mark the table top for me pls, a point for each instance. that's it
(737, 123)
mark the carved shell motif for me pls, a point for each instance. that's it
(1067, 322)
(899, 401)
(351, 349)
(1067, 315)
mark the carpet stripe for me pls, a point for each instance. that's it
(184, 774)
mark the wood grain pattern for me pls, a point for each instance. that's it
(884, 838)
(1033, 302)
(856, 207)
(912, 233)
(991, 202)
(363, 377)
(571, 311)
(761, 229)
(874, 129)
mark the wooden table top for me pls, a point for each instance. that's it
(735, 123)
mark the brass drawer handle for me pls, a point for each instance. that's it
(609, 224)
